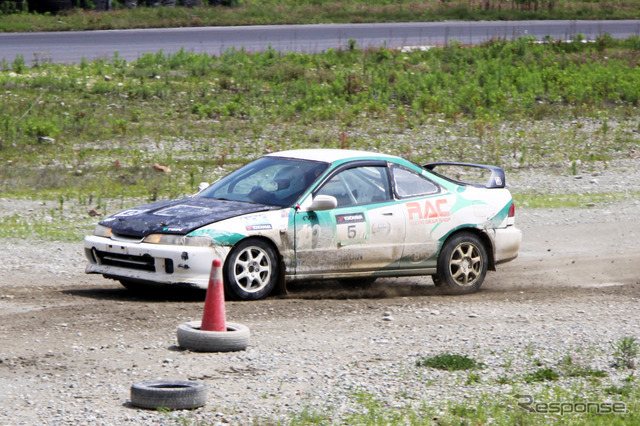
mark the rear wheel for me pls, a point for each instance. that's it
(251, 270)
(462, 264)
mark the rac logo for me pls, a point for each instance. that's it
(427, 210)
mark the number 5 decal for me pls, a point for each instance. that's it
(351, 232)
(351, 228)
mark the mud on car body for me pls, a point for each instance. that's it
(316, 214)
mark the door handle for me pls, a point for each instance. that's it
(387, 214)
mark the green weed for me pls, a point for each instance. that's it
(571, 368)
(541, 375)
(625, 352)
(448, 361)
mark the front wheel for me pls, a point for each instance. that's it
(251, 270)
(462, 264)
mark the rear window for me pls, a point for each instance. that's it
(409, 184)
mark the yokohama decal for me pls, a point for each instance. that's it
(263, 227)
(349, 218)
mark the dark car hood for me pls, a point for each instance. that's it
(177, 216)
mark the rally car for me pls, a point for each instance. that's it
(316, 214)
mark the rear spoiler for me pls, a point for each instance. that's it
(496, 180)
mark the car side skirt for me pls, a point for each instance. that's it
(382, 273)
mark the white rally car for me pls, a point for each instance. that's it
(316, 214)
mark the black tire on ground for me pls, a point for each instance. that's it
(236, 338)
(358, 282)
(251, 270)
(171, 394)
(462, 264)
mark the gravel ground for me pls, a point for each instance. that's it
(74, 344)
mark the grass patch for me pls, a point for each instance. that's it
(571, 368)
(623, 390)
(541, 375)
(484, 408)
(448, 361)
(569, 200)
(625, 352)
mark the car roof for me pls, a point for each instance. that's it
(329, 155)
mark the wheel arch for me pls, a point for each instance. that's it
(280, 287)
(484, 238)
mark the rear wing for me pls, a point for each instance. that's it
(495, 180)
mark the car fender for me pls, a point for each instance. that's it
(272, 226)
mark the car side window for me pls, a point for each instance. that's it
(410, 184)
(358, 186)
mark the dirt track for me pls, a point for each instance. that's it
(72, 344)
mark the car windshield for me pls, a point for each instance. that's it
(268, 180)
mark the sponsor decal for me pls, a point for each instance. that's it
(256, 222)
(172, 229)
(426, 212)
(351, 228)
(255, 219)
(498, 181)
(261, 227)
(349, 218)
(381, 227)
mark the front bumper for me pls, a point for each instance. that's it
(158, 263)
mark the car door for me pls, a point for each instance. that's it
(426, 207)
(364, 233)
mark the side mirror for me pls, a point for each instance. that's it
(202, 185)
(323, 202)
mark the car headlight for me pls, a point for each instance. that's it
(102, 231)
(177, 240)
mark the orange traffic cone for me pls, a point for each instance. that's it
(214, 316)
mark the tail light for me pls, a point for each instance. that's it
(511, 219)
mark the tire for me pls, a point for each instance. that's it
(358, 282)
(171, 394)
(462, 264)
(251, 270)
(236, 338)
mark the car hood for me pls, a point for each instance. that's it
(177, 216)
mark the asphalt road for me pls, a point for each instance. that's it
(71, 47)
